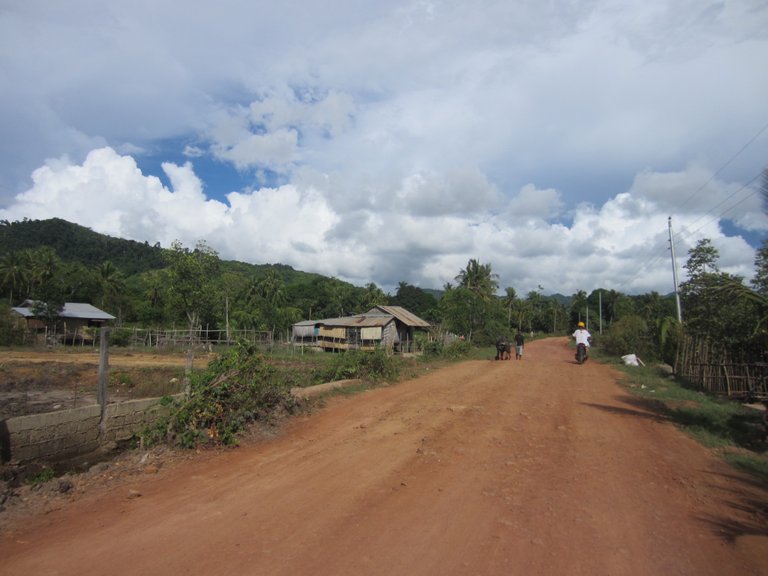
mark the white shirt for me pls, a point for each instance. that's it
(582, 336)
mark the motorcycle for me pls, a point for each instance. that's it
(581, 353)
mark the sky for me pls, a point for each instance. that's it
(394, 141)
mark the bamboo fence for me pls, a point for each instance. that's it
(708, 366)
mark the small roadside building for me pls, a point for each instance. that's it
(76, 320)
(390, 327)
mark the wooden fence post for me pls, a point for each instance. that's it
(103, 379)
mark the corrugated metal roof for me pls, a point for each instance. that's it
(71, 310)
(361, 320)
(378, 316)
(406, 317)
(84, 311)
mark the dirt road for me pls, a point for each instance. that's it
(533, 467)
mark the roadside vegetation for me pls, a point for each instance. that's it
(236, 389)
(735, 431)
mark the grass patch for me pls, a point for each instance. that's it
(737, 432)
(43, 476)
(757, 467)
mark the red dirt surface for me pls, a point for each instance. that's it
(539, 466)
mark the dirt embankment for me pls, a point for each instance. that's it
(537, 466)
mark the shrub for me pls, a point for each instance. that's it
(120, 337)
(236, 389)
(11, 330)
(432, 349)
(629, 335)
(376, 365)
(456, 349)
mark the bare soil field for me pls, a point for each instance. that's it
(539, 466)
(32, 382)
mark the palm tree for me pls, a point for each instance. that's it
(522, 310)
(534, 306)
(479, 278)
(480, 284)
(38, 267)
(578, 306)
(272, 289)
(46, 263)
(509, 299)
(373, 296)
(553, 309)
(11, 273)
(154, 294)
(111, 280)
(78, 281)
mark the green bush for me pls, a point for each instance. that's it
(376, 365)
(629, 335)
(120, 337)
(11, 330)
(456, 350)
(236, 389)
(432, 349)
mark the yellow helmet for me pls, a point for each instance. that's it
(581, 324)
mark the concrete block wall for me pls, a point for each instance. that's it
(65, 433)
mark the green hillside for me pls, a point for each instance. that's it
(75, 243)
(57, 261)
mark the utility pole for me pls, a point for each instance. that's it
(587, 312)
(600, 308)
(674, 271)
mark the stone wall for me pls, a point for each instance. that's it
(66, 433)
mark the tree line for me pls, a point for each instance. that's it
(148, 286)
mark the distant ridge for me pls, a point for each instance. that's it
(76, 243)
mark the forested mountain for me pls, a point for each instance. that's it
(56, 261)
(74, 243)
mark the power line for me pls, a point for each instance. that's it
(724, 212)
(724, 166)
(684, 234)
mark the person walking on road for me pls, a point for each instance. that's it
(519, 343)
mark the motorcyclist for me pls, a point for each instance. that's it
(582, 336)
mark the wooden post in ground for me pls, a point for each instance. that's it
(188, 370)
(103, 379)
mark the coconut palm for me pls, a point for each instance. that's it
(11, 273)
(480, 284)
(510, 296)
(479, 278)
(111, 280)
(271, 289)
